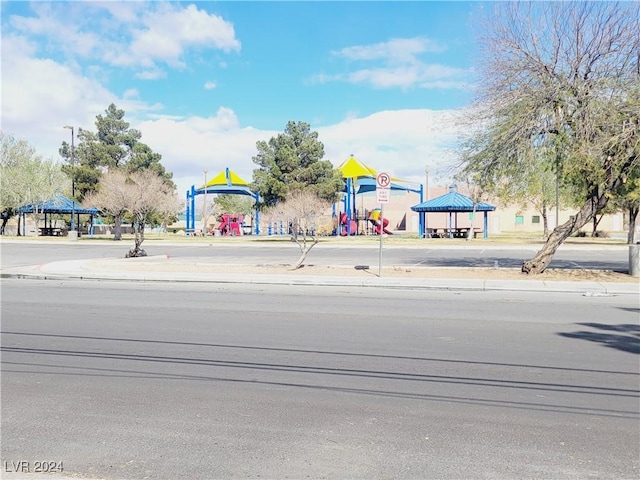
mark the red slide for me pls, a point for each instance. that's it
(343, 222)
(385, 222)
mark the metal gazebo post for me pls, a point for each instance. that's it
(204, 206)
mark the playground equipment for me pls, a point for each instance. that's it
(344, 229)
(225, 182)
(374, 218)
(229, 225)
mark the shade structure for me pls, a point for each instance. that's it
(368, 184)
(352, 168)
(361, 178)
(58, 204)
(225, 182)
(453, 202)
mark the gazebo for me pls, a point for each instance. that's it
(60, 205)
(453, 203)
(225, 182)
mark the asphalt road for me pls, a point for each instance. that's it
(163, 381)
(571, 257)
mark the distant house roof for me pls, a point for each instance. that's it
(452, 202)
(58, 204)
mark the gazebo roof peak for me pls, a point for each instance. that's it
(453, 201)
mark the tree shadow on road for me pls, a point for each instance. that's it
(624, 337)
(516, 262)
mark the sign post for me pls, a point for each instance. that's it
(383, 189)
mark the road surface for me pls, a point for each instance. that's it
(611, 257)
(133, 380)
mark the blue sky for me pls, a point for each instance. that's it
(203, 81)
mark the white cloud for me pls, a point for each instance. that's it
(45, 95)
(397, 50)
(170, 30)
(131, 93)
(210, 85)
(190, 145)
(403, 142)
(397, 65)
(124, 12)
(127, 34)
(152, 74)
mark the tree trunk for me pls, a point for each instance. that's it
(19, 225)
(541, 260)
(545, 222)
(633, 215)
(137, 251)
(596, 222)
(304, 249)
(4, 224)
(117, 227)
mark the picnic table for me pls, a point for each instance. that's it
(457, 232)
(50, 231)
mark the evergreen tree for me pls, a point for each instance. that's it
(292, 161)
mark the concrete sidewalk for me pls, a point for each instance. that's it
(159, 269)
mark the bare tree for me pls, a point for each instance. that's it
(111, 197)
(142, 194)
(563, 76)
(148, 195)
(26, 178)
(302, 210)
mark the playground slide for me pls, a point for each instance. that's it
(377, 228)
(344, 231)
(230, 225)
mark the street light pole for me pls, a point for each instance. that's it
(73, 179)
(426, 173)
(204, 207)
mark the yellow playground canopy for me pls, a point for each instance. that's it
(226, 177)
(352, 168)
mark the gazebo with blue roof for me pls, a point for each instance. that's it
(59, 204)
(453, 202)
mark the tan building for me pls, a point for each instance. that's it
(503, 219)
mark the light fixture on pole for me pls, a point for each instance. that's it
(73, 179)
(204, 206)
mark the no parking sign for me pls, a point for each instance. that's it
(383, 187)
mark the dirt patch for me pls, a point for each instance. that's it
(170, 265)
(470, 272)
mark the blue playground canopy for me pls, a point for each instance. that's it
(367, 184)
